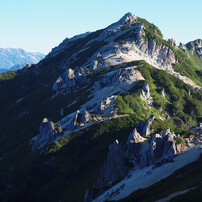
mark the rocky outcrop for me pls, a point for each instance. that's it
(136, 149)
(114, 169)
(173, 42)
(145, 128)
(69, 81)
(75, 120)
(66, 79)
(160, 57)
(162, 148)
(47, 134)
(50, 132)
(128, 19)
(146, 96)
(83, 117)
(163, 94)
(107, 86)
(107, 106)
(119, 76)
(115, 164)
(136, 152)
(195, 47)
(183, 47)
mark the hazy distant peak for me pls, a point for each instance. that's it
(10, 57)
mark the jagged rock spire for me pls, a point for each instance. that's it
(46, 134)
(128, 18)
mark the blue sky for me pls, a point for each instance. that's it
(40, 25)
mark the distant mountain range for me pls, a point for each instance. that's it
(10, 57)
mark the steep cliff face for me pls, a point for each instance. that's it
(115, 163)
(137, 152)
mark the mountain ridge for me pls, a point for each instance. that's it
(65, 111)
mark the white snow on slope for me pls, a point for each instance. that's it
(145, 177)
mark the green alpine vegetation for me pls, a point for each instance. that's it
(93, 91)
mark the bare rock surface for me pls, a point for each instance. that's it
(146, 96)
(47, 134)
(137, 152)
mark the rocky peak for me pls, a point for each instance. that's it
(115, 164)
(156, 148)
(167, 131)
(169, 149)
(145, 90)
(128, 18)
(83, 117)
(135, 149)
(135, 137)
(145, 128)
(47, 134)
(173, 42)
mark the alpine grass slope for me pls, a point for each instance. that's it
(100, 110)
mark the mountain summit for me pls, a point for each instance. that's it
(128, 18)
(104, 116)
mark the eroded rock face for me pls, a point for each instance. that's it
(74, 120)
(146, 129)
(69, 81)
(195, 46)
(163, 94)
(83, 117)
(119, 76)
(173, 42)
(183, 47)
(114, 169)
(160, 57)
(156, 148)
(136, 148)
(115, 164)
(47, 134)
(107, 107)
(162, 148)
(146, 96)
(137, 152)
(66, 79)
